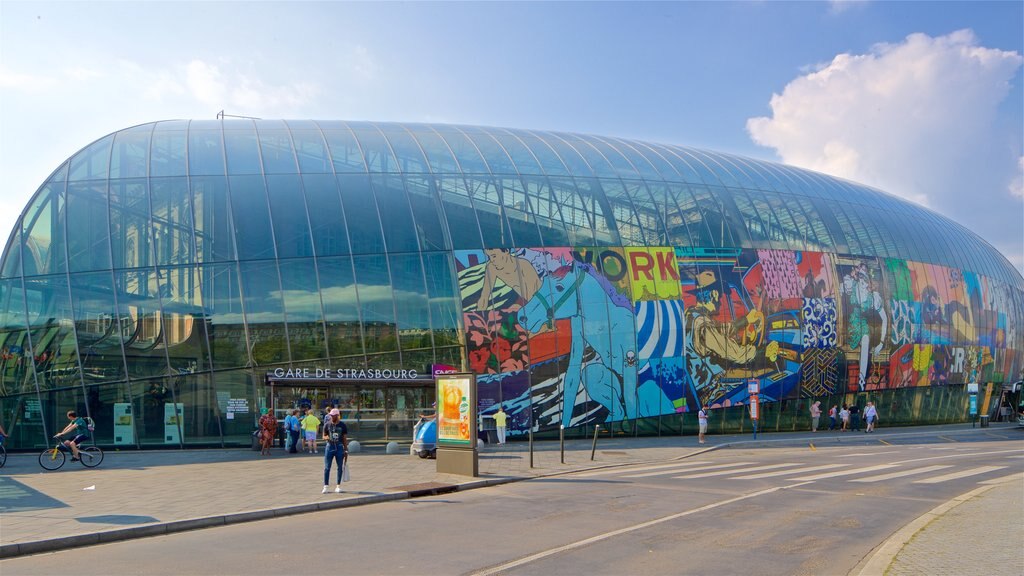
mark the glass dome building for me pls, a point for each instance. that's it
(174, 278)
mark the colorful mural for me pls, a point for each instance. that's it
(576, 336)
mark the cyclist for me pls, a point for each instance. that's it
(76, 428)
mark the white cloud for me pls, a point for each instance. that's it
(841, 6)
(25, 82)
(1017, 184)
(914, 118)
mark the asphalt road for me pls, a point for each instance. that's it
(780, 510)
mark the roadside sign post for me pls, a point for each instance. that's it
(753, 389)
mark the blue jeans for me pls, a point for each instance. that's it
(334, 452)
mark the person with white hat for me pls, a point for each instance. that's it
(335, 447)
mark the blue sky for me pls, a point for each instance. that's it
(921, 99)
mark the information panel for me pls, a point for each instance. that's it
(456, 410)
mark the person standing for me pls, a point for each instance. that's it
(855, 417)
(310, 424)
(702, 422)
(815, 415)
(335, 447)
(500, 420)
(870, 416)
(268, 426)
(292, 428)
(833, 413)
(844, 416)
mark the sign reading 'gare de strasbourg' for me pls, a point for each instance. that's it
(344, 374)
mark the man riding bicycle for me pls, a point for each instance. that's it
(79, 429)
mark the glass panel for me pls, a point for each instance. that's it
(411, 303)
(264, 312)
(547, 211)
(620, 208)
(48, 299)
(547, 157)
(376, 305)
(88, 232)
(168, 151)
(407, 150)
(445, 309)
(96, 327)
(518, 212)
(251, 217)
(139, 324)
(311, 151)
(288, 211)
(184, 318)
(344, 151)
(375, 148)
(205, 153)
(92, 163)
(302, 306)
(595, 162)
(466, 153)
(129, 224)
(425, 211)
(341, 308)
(605, 227)
(523, 160)
(223, 302)
(276, 149)
(326, 218)
(213, 228)
(361, 214)
(438, 155)
(752, 218)
(43, 248)
(172, 221)
(130, 155)
(400, 232)
(462, 220)
(574, 210)
(243, 151)
(498, 161)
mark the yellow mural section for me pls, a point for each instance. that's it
(653, 274)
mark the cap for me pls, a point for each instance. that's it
(335, 412)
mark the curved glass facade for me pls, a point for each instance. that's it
(172, 278)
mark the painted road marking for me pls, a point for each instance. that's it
(961, 455)
(785, 472)
(688, 469)
(948, 439)
(724, 472)
(588, 541)
(1004, 479)
(876, 453)
(961, 474)
(845, 472)
(903, 473)
(636, 469)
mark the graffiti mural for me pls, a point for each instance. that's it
(586, 335)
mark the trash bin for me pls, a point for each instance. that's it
(984, 420)
(256, 440)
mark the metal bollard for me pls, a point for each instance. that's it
(593, 447)
(531, 446)
(561, 441)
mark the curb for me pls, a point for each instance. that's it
(884, 555)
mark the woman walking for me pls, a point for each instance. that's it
(268, 427)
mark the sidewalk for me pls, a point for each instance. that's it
(145, 493)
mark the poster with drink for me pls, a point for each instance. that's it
(455, 414)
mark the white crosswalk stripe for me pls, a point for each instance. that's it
(903, 473)
(1004, 479)
(787, 472)
(690, 469)
(724, 472)
(845, 472)
(639, 468)
(961, 474)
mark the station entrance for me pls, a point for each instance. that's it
(373, 410)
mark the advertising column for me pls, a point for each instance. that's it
(456, 424)
(754, 389)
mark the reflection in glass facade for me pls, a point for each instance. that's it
(159, 275)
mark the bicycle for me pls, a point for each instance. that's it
(54, 458)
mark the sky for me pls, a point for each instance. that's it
(923, 100)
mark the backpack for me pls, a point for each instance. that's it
(90, 424)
